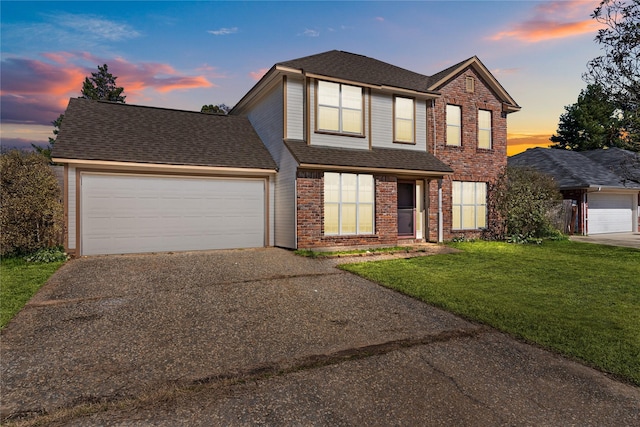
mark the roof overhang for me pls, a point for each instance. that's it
(166, 168)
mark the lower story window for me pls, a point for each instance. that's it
(348, 203)
(469, 205)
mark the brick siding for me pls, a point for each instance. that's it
(469, 162)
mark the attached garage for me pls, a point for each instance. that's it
(138, 213)
(142, 179)
(610, 213)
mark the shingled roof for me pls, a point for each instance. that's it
(359, 68)
(570, 169)
(376, 158)
(107, 131)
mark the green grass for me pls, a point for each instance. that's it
(19, 280)
(579, 299)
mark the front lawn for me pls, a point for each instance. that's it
(19, 280)
(580, 299)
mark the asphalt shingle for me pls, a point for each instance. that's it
(570, 169)
(98, 130)
(383, 158)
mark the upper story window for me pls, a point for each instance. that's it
(454, 125)
(339, 108)
(484, 129)
(404, 112)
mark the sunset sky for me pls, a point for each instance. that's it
(185, 54)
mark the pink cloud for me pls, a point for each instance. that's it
(257, 75)
(554, 20)
(36, 91)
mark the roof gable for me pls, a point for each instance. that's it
(107, 131)
(438, 80)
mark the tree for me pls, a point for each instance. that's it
(617, 70)
(522, 200)
(102, 86)
(31, 212)
(215, 109)
(592, 122)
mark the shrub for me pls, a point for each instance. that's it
(31, 212)
(53, 254)
(522, 200)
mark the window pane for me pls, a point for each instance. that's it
(404, 130)
(331, 220)
(365, 188)
(453, 115)
(482, 217)
(404, 108)
(468, 193)
(484, 138)
(453, 135)
(329, 94)
(484, 119)
(331, 187)
(328, 118)
(468, 217)
(352, 121)
(457, 220)
(349, 187)
(456, 191)
(352, 97)
(348, 218)
(481, 193)
(365, 219)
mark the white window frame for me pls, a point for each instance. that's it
(454, 125)
(484, 130)
(358, 203)
(479, 206)
(410, 120)
(340, 107)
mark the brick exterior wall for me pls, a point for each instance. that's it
(469, 162)
(310, 212)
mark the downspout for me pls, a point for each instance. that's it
(440, 221)
(433, 120)
(584, 213)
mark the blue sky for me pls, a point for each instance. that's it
(185, 54)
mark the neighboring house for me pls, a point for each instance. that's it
(604, 185)
(362, 153)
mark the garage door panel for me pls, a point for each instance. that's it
(610, 213)
(129, 214)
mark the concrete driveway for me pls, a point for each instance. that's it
(630, 240)
(264, 337)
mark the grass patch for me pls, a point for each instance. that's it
(319, 254)
(19, 281)
(579, 299)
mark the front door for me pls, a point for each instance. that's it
(406, 209)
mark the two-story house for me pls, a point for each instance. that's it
(360, 153)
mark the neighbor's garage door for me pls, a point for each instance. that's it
(129, 214)
(610, 213)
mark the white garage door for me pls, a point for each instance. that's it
(610, 213)
(131, 214)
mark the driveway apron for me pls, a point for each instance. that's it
(265, 337)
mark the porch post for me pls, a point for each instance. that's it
(440, 221)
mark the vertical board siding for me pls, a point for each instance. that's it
(295, 109)
(285, 198)
(267, 117)
(71, 208)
